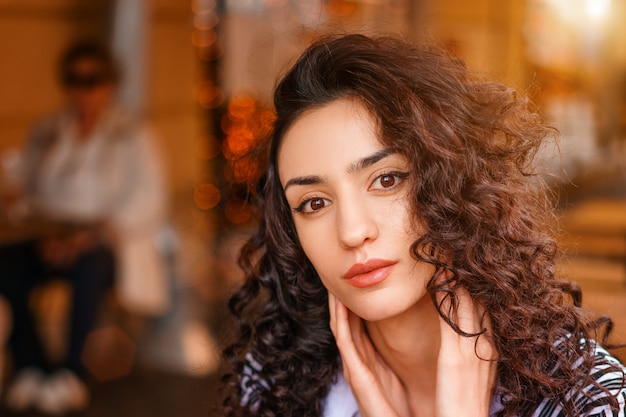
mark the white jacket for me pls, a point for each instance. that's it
(114, 176)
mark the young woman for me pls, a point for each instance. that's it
(403, 264)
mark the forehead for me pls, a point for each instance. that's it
(328, 137)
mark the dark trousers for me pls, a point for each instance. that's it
(22, 269)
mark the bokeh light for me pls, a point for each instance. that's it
(206, 196)
(245, 170)
(206, 19)
(244, 124)
(238, 211)
(203, 38)
(109, 353)
(199, 6)
(340, 8)
(208, 95)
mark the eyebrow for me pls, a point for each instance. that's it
(355, 167)
(313, 179)
(368, 161)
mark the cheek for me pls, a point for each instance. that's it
(317, 244)
(402, 223)
(312, 244)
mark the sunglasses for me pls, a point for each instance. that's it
(86, 81)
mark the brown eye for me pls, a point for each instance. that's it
(317, 203)
(312, 205)
(387, 181)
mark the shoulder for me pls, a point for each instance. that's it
(340, 401)
(46, 128)
(594, 400)
(43, 135)
(610, 374)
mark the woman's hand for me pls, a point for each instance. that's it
(464, 383)
(377, 389)
(466, 366)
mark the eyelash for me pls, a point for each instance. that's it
(300, 207)
(397, 174)
(401, 176)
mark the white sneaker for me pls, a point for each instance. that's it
(24, 390)
(61, 393)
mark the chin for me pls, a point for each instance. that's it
(368, 313)
(385, 305)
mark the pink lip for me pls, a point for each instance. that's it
(370, 273)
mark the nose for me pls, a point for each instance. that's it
(356, 224)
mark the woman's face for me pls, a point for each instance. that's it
(349, 197)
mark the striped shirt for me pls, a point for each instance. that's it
(340, 401)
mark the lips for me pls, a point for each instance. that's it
(370, 273)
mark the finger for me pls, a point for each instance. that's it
(344, 336)
(474, 319)
(349, 332)
(466, 368)
(356, 328)
(351, 336)
(333, 316)
(470, 318)
(471, 313)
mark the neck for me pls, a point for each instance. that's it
(409, 344)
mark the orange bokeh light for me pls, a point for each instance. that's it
(244, 125)
(209, 95)
(198, 6)
(237, 145)
(203, 37)
(245, 170)
(238, 211)
(109, 353)
(241, 107)
(340, 8)
(206, 19)
(206, 196)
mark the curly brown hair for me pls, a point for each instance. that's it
(471, 144)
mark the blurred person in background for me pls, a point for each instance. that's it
(93, 168)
